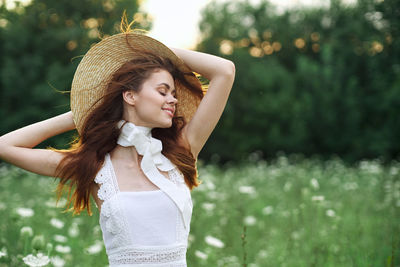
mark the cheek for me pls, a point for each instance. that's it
(154, 99)
(150, 103)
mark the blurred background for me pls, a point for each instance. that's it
(303, 168)
(313, 78)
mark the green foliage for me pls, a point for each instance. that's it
(289, 212)
(41, 45)
(311, 81)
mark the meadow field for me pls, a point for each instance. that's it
(287, 212)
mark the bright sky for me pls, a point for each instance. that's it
(175, 21)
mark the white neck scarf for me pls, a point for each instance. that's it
(153, 161)
(147, 146)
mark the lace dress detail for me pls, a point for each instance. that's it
(177, 178)
(111, 215)
(121, 249)
(149, 255)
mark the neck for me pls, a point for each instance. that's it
(126, 154)
(144, 129)
(131, 117)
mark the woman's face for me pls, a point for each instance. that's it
(155, 103)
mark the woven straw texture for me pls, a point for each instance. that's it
(96, 68)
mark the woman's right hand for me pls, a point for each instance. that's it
(17, 147)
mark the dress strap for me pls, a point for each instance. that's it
(107, 181)
(112, 218)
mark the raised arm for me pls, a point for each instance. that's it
(16, 147)
(221, 73)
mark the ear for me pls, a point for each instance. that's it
(129, 97)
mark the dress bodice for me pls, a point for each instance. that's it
(144, 228)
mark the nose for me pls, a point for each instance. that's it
(172, 100)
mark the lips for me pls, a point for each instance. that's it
(170, 111)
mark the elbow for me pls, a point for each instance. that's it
(225, 70)
(229, 72)
(2, 142)
(229, 69)
(3, 149)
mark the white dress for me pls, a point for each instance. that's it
(144, 228)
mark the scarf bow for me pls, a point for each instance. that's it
(147, 146)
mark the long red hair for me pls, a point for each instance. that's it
(99, 134)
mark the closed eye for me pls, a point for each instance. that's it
(164, 88)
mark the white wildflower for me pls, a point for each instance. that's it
(208, 206)
(63, 249)
(52, 203)
(250, 220)
(3, 252)
(372, 167)
(231, 261)
(73, 231)
(57, 261)
(285, 213)
(295, 235)
(77, 220)
(268, 210)
(287, 186)
(330, 213)
(215, 242)
(394, 170)
(305, 191)
(223, 220)
(263, 253)
(26, 231)
(96, 229)
(314, 183)
(247, 189)
(335, 248)
(57, 223)
(318, 198)
(209, 185)
(191, 239)
(25, 212)
(350, 186)
(60, 238)
(200, 255)
(95, 248)
(38, 260)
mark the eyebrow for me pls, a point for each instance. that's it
(167, 86)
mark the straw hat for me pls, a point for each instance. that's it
(96, 68)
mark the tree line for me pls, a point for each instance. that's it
(314, 81)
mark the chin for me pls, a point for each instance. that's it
(169, 125)
(165, 124)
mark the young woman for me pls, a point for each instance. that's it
(142, 120)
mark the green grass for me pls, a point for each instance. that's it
(289, 212)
